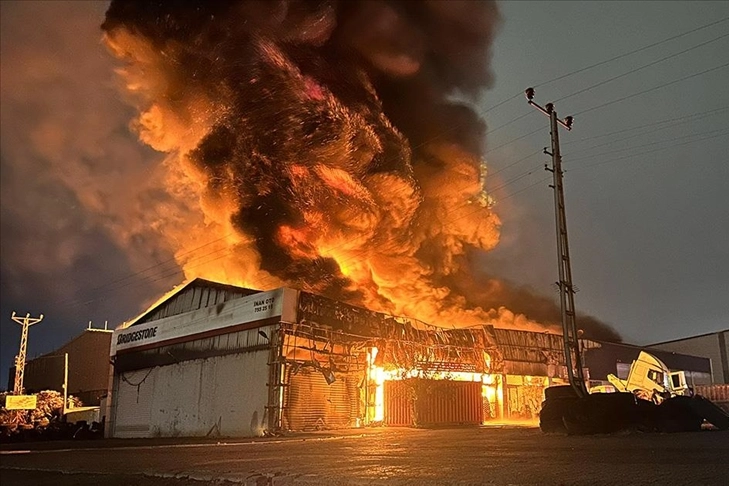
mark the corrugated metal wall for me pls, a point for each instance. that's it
(398, 404)
(44, 373)
(312, 404)
(88, 367)
(437, 402)
(230, 343)
(715, 393)
(450, 402)
(198, 294)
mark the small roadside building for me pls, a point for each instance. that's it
(216, 360)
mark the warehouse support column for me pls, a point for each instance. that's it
(275, 381)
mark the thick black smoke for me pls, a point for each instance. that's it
(330, 126)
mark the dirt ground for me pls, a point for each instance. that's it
(398, 456)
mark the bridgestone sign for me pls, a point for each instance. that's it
(133, 336)
(248, 309)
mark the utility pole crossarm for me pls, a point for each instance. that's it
(573, 354)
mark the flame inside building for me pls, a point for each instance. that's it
(317, 144)
(215, 358)
(405, 372)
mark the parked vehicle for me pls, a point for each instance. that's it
(651, 379)
(651, 399)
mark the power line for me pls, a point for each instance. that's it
(626, 157)
(618, 100)
(715, 133)
(601, 83)
(516, 162)
(145, 279)
(615, 58)
(702, 114)
(648, 144)
(509, 196)
(622, 139)
(632, 52)
(358, 253)
(112, 284)
(517, 95)
(227, 251)
(582, 167)
(513, 140)
(605, 82)
(489, 132)
(691, 117)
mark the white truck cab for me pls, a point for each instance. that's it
(650, 378)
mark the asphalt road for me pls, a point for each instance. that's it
(504, 456)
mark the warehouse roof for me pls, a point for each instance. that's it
(689, 337)
(191, 295)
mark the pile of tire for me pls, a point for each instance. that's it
(557, 400)
(603, 413)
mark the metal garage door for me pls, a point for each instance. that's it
(312, 404)
(133, 391)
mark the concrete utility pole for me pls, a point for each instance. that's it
(566, 289)
(26, 322)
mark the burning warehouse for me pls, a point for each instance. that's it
(318, 145)
(214, 359)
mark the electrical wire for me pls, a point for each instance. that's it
(111, 285)
(359, 253)
(145, 279)
(702, 27)
(629, 156)
(719, 130)
(514, 140)
(702, 136)
(701, 114)
(644, 66)
(618, 100)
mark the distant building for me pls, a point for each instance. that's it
(88, 368)
(616, 358)
(713, 345)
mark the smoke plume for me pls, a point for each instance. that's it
(324, 146)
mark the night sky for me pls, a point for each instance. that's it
(647, 179)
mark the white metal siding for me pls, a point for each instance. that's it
(219, 396)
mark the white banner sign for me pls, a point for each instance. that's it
(262, 305)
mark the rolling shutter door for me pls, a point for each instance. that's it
(133, 403)
(312, 404)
